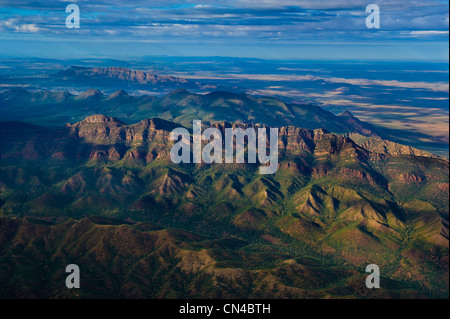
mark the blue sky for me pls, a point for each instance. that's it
(273, 29)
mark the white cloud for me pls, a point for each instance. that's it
(14, 24)
(428, 32)
(27, 28)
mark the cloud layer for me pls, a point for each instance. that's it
(239, 21)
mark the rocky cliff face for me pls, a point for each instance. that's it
(385, 147)
(119, 73)
(104, 130)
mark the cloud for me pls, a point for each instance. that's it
(278, 22)
(27, 28)
(280, 19)
(16, 25)
(428, 32)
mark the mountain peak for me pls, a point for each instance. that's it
(100, 118)
(91, 93)
(346, 114)
(321, 131)
(159, 124)
(179, 92)
(120, 93)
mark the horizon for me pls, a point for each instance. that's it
(247, 58)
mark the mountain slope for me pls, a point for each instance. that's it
(151, 263)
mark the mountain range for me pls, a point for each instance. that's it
(108, 79)
(86, 178)
(149, 81)
(104, 195)
(49, 108)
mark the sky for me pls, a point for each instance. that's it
(269, 29)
